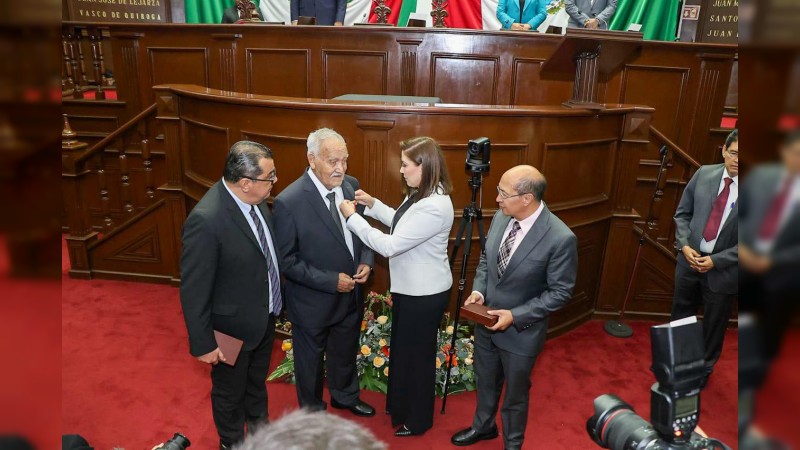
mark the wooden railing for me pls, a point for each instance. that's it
(107, 168)
(84, 61)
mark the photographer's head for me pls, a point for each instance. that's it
(423, 167)
(520, 191)
(303, 430)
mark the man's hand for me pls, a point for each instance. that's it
(338, 24)
(294, 22)
(348, 208)
(505, 319)
(517, 26)
(526, 26)
(362, 198)
(362, 274)
(592, 24)
(691, 256)
(346, 284)
(213, 357)
(473, 298)
(753, 262)
(704, 264)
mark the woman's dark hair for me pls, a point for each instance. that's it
(426, 152)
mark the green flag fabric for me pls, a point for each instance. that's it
(408, 7)
(659, 18)
(206, 11)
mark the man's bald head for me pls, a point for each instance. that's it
(527, 180)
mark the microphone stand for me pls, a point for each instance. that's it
(618, 328)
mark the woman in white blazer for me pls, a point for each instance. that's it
(416, 246)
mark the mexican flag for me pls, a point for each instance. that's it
(472, 14)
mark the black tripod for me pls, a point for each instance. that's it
(472, 213)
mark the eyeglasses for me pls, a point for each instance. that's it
(271, 179)
(504, 195)
(734, 155)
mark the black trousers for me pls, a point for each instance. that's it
(239, 393)
(412, 363)
(338, 343)
(692, 291)
(494, 367)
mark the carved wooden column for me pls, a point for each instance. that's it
(81, 64)
(439, 13)
(69, 77)
(584, 91)
(77, 215)
(382, 11)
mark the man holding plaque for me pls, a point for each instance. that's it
(230, 283)
(527, 271)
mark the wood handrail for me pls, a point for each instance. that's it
(115, 134)
(674, 147)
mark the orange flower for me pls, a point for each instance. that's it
(363, 325)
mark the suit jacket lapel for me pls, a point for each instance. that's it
(533, 237)
(493, 243)
(710, 188)
(236, 215)
(320, 207)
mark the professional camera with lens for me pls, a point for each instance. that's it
(178, 442)
(478, 155)
(679, 365)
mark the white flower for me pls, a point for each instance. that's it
(382, 320)
(450, 329)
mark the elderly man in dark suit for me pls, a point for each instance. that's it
(327, 12)
(592, 14)
(527, 272)
(324, 265)
(706, 237)
(230, 282)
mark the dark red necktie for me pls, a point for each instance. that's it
(717, 211)
(769, 227)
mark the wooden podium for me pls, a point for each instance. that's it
(589, 53)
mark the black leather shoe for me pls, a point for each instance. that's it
(469, 436)
(358, 408)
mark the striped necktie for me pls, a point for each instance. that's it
(274, 279)
(504, 256)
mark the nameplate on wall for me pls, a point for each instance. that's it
(119, 11)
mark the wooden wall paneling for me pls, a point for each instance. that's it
(465, 78)
(618, 257)
(408, 65)
(591, 162)
(187, 65)
(127, 59)
(201, 164)
(222, 69)
(288, 152)
(662, 88)
(278, 71)
(375, 155)
(636, 132)
(715, 72)
(529, 88)
(354, 72)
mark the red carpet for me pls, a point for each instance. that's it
(128, 379)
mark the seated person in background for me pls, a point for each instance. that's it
(521, 15)
(592, 14)
(327, 12)
(304, 430)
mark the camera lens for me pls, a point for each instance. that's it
(178, 442)
(617, 427)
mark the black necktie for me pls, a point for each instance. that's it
(334, 211)
(521, 7)
(274, 279)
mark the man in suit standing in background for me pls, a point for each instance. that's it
(706, 237)
(230, 282)
(527, 272)
(327, 12)
(324, 264)
(592, 14)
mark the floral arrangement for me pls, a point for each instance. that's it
(372, 360)
(555, 6)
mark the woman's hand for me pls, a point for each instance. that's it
(348, 208)
(364, 199)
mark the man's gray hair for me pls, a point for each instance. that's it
(304, 430)
(316, 138)
(532, 185)
(242, 161)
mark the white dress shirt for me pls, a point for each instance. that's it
(733, 195)
(323, 191)
(246, 211)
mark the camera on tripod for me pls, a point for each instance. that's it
(678, 365)
(178, 442)
(478, 155)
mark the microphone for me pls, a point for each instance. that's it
(364, 18)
